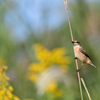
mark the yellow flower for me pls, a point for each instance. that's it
(33, 77)
(45, 59)
(5, 88)
(16, 98)
(10, 88)
(2, 92)
(6, 98)
(9, 94)
(36, 67)
(51, 87)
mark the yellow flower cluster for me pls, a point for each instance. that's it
(56, 56)
(52, 87)
(45, 59)
(5, 88)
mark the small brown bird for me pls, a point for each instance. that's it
(81, 54)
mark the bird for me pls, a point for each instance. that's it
(81, 54)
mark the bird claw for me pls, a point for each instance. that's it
(76, 58)
(78, 70)
(72, 41)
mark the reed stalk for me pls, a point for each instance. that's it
(65, 3)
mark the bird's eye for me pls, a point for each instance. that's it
(78, 42)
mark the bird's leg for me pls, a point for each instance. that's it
(76, 58)
(80, 68)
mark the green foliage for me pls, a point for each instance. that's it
(19, 54)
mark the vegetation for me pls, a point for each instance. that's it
(41, 65)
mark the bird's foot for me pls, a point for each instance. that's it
(78, 70)
(76, 58)
(72, 41)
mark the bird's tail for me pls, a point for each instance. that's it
(94, 66)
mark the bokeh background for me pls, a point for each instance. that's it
(36, 46)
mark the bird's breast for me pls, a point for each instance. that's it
(79, 55)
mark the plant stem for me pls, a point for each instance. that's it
(65, 3)
(86, 89)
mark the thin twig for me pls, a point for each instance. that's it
(65, 3)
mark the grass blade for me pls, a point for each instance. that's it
(86, 88)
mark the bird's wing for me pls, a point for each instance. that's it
(83, 52)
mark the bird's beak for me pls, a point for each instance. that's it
(73, 42)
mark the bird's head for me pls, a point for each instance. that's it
(76, 43)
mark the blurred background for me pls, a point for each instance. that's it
(36, 46)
